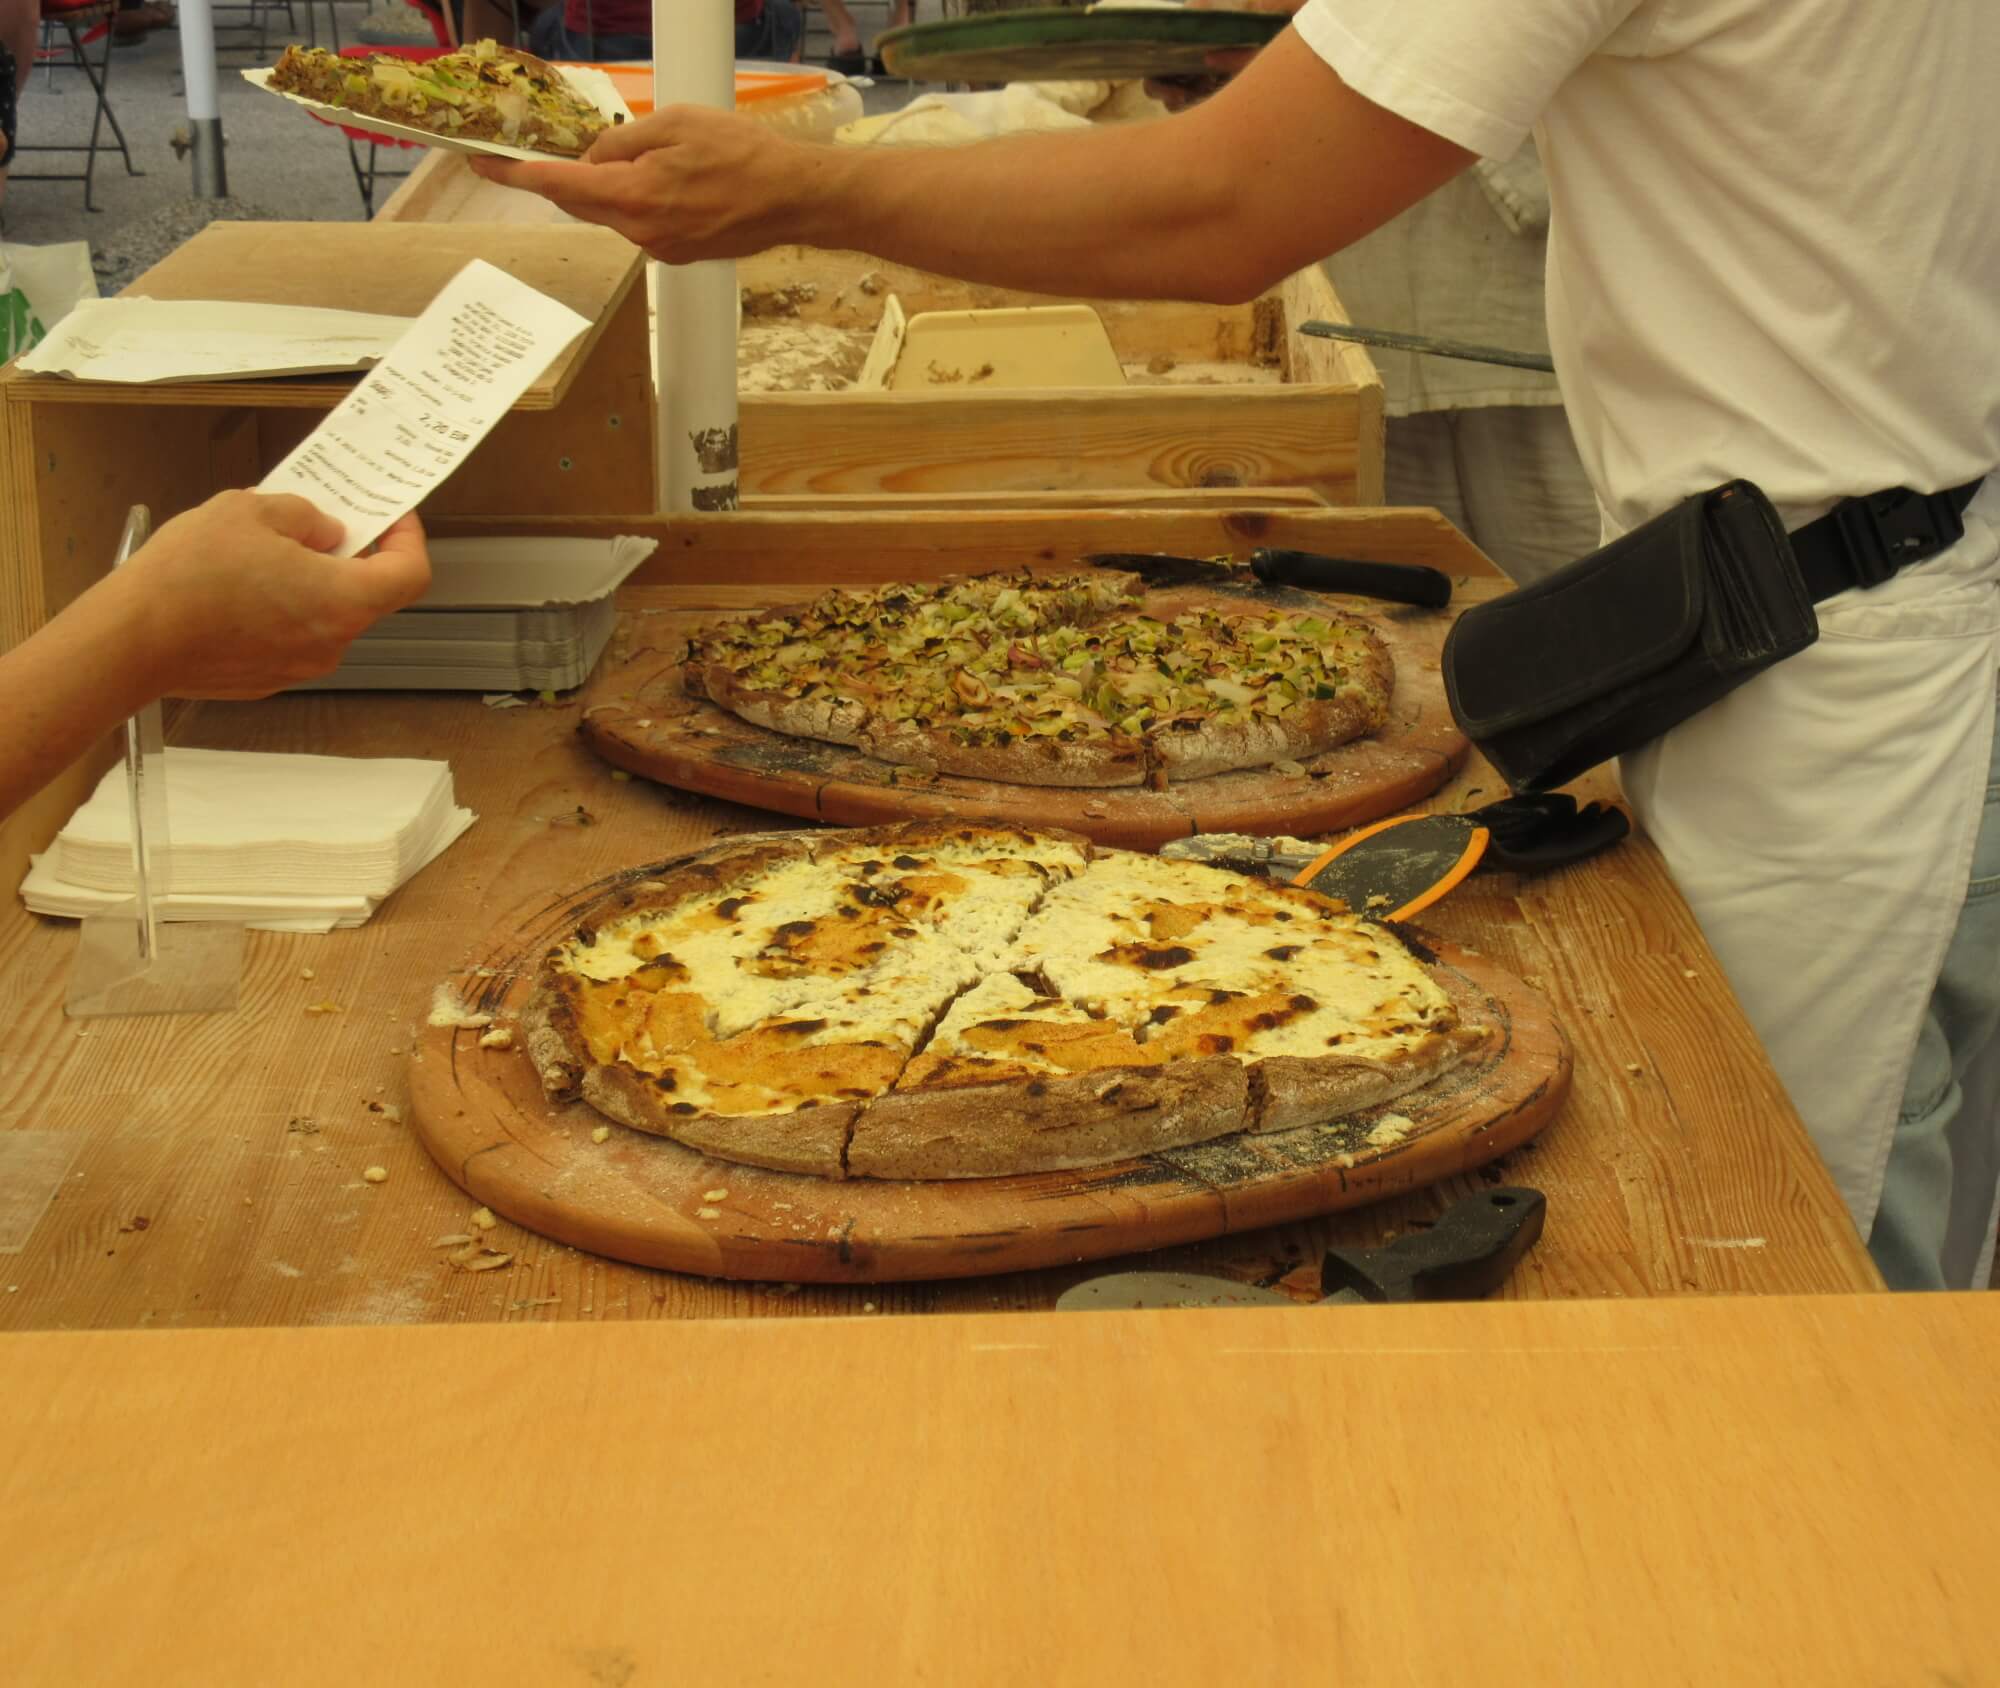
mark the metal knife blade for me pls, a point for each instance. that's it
(1396, 583)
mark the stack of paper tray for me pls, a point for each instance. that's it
(502, 615)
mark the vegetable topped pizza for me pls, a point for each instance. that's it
(955, 1001)
(484, 92)
(1060, 680)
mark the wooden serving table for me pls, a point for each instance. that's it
(216, 1171)
(1740, 1490)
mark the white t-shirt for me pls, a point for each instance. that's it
(1775, 245)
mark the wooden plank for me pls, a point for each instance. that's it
(755, 548)
(1714, 1491)
(1308, 296)
(1690, 1175)
(1152, 498)
(392, 268)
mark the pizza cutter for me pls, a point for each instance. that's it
(1397, 583)
(1465, 1256)
(1397, 866)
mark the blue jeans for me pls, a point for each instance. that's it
(775, 35)
(1908, 1237)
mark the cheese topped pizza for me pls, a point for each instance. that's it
(1048, 680)
(484, 92)
(938, 1001)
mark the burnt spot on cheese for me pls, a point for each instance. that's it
(685, 1108)
(1161, 1015)
(1215, 1043)
(586, 935)
(1336, 1038)
(666, 1082)
(1095, 1011)
(796, 929)
(730, 907)
(1279, 914)
(1283, 952)
(1304, 1004)
(799, 1028)
(1221, 995)
(1004, 1025)
(1154, 958)
(880, 897)
(871, 867)
(906, 863)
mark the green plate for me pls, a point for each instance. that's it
(1063, 44)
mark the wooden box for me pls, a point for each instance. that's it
(75, 455)
(1269, 407)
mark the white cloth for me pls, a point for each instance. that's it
(1820, 822)
(1773, 255)
(1506, 476)
(1451, 267)
(1773, 251)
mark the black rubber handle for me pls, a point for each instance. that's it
(1399, 583)
(1467, 1254)
(1542, 830)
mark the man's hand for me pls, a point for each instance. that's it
(1177, 93)
(238, 599)
(685, 183)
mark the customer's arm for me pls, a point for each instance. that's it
(234, 599)
(1284, 165)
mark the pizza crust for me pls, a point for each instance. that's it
(1048, 1125)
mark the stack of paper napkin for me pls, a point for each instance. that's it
(289, 843)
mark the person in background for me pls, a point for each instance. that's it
(602, 31)
(1487, 444)
(234, 599)
(1747, 279)
(849, 56)
(18, 21)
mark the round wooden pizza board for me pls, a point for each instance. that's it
(483, 1116)
(638, 718)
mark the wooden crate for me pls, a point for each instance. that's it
(76, 455)
(1305, 413)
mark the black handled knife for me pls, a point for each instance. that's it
(1466, 1255)
(1397, 583)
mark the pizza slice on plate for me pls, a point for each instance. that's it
(484, 92)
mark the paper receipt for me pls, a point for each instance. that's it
(412, 420)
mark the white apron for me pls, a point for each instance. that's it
(1820, 821)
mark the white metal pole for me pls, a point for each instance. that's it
(694, 345)
(197, 31)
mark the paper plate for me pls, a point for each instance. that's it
(1064, 44)
(591, 83)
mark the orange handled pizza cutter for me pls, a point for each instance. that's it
(1394, 868)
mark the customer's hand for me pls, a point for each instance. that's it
(685, 183)
(1177, 93)
(238, 599)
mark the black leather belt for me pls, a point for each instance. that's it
(1865, 541)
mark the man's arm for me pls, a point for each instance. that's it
(1284, 166)
(233, 599)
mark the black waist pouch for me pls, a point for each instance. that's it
(1608, 652)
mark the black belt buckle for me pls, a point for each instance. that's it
(1887, 531)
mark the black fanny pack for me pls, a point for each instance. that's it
(1609, 651)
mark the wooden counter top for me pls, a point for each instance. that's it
(1705, 1491)
(216, 1173)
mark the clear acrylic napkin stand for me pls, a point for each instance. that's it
(129, 960)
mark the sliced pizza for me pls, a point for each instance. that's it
(1048, 680)
(936, 1001)
(484, 92)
